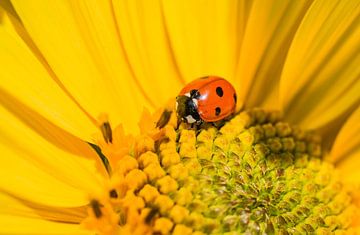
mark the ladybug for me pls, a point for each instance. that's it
(206, 99)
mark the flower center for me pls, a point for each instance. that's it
(255, 174)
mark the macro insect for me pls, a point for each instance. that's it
(206, 99)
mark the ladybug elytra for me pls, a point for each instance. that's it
(206, 99)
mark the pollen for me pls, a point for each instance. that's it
(254, 174)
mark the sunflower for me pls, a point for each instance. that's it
(76, 76)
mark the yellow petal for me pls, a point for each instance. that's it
(15, 207)
(19, 225)
(38, 171)
(146, 43)
(5, 5)
(22, 75)
(205, 35)
(79, 41)
(270, 28)
(347, 141)
(349, 168)
(346, 153)
(49, 131)
(320, 81)
(58, 109)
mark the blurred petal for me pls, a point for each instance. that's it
(22, 75)
(147, 47)
(320, 82)
(346, 154)
(205, 35)
(347, 141)
(40, 172)
(19, 225)
(349, 168)
(78, 40)
(49, 131)
(15, 207)
(269, 32)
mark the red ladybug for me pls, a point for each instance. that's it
(207, 99)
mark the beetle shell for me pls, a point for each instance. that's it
(213, 98)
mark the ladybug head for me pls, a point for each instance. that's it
(186, 109)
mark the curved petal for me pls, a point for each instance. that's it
(19, 225)
(13, 206)
(46, 99)
(320, 81)
(205, 35)
(346, 153)
(269, 32)
(52, 133)
(146, 45)
(349, 168)
(79, 42)
(23, 76)
(347, 140)
(37, 171)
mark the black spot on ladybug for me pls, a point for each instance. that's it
(217, 111)
(235, 98)
(219, 91)
(194, 94)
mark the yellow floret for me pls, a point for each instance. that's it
(126, 164)
(135, 179)
(179, 171)
(188, 150)
(167, 184)
(204, 152)
(144, 143)
(149, 193)
(196, 219)
(193, 165)
(187, 136)
(154, 171)
(164, 203)
(246, 138)
(169, 159)
(130, 201)
(198, 233)
(170, 133)
(147, 158)
(181, 229)
(183, 196)
(178, 213)
(163, 225)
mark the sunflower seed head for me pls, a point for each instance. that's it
(254, 175)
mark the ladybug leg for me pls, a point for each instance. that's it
(179, 121)
(218, 124)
